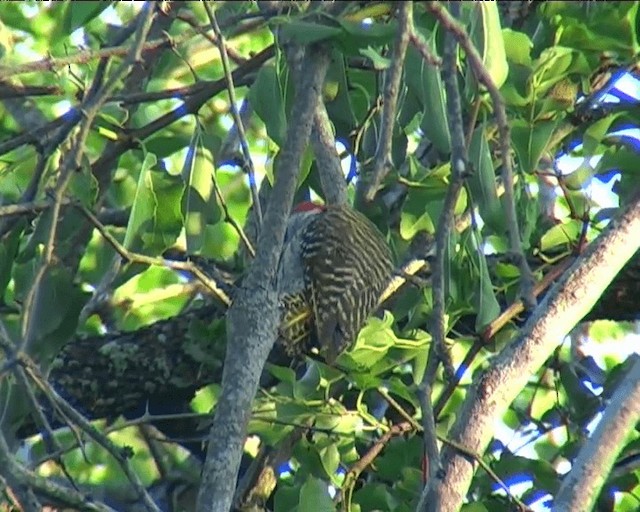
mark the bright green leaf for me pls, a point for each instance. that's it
(493, 47)
(561, 234)
(518, 47)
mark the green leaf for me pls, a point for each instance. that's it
(552, 66)
(490, 42)
(518, 47)
(419, 366)
(151, 295)
(579, 177)
(314, 495)
(474, 507)
(78, 14)
(596, 132)
(330, 458)
(166, 145)
(376, 496)
(398, 388)
(308, 158)
(561, 235)
(9, 245)
(305, 32)
(416, 216)
(49, 298)
(380, 63)
(483, 182)
(352, 99)
(373, 342)
(530, 141)
(266, 97)
(425, 81)
(84, 186)
(516, 91)
(155, 219)
(484, 299)
(612, 28)
(286, 498)
(199, 205)
(400, 453)
(625, 160)
(282, 373)
(143, 207)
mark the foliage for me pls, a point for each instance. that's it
(160, 173)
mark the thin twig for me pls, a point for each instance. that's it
(229, 218)
(132, 257)
(393, 79)
(368, 458)
(242, 136)
(422, 46)
(16, 472)
(53, 63)
(76, 418)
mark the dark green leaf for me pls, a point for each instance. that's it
(266, 97)
(531, 141)
(304, 32)
(483, 183)
(424, 80)
(78, 14)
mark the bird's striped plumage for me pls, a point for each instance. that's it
(347, 265)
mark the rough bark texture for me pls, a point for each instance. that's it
(166, 361)
(253, 318)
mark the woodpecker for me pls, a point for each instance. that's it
(334, 266)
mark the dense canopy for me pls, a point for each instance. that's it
(150, 154)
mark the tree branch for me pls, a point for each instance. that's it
(581, 486)
(438, 351)
(253, 317)
(393, 76)
(239, 126)
(566, 304)
(332, 179)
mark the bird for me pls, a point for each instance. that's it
(333, 268)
